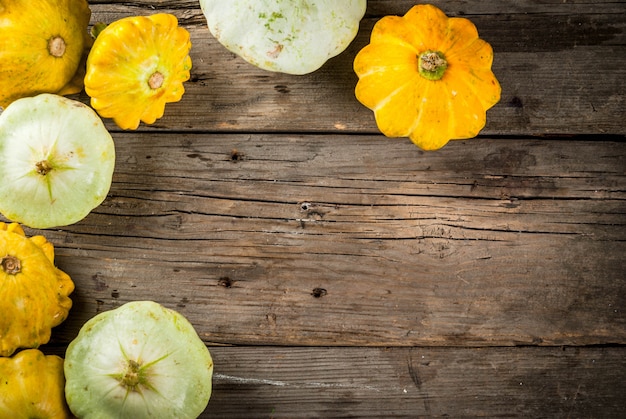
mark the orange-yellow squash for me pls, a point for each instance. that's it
(32, 386)
(137, 65)
(34, 294)
(427, 77)
(41, 44)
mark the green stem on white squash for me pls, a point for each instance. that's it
(432, 65)
(133, 376)
(43, 167)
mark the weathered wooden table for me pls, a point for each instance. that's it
(334, 272)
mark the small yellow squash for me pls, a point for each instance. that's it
(41, 44)
(137, 65)
(34, 294)
(32, 386)
(427, 77)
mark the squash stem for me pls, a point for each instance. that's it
(97, 28)
(11, 265)
(43, 167)
(132, 376)
(432, 65)
(56, 46)
(156, 80)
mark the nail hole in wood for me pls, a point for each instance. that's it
(516, 102)
(236, 155)
(225, 282)
(319, 292)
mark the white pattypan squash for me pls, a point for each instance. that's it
(288, 36)
(140, 360)
(56, 161)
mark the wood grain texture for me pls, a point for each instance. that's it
(486, 242)
(337, 273)
(399, 7)
(279, 382)
(417, 382)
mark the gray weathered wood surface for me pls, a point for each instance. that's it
(336, 273)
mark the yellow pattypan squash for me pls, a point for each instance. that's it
(32, 386)
(41, 44)
(137, 65)
(34, 294)
(427, 77)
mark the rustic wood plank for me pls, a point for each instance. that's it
(279, 382)
(562, 69)
(454, 7)
(318, 240)
(463, 7)
(418, 382)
